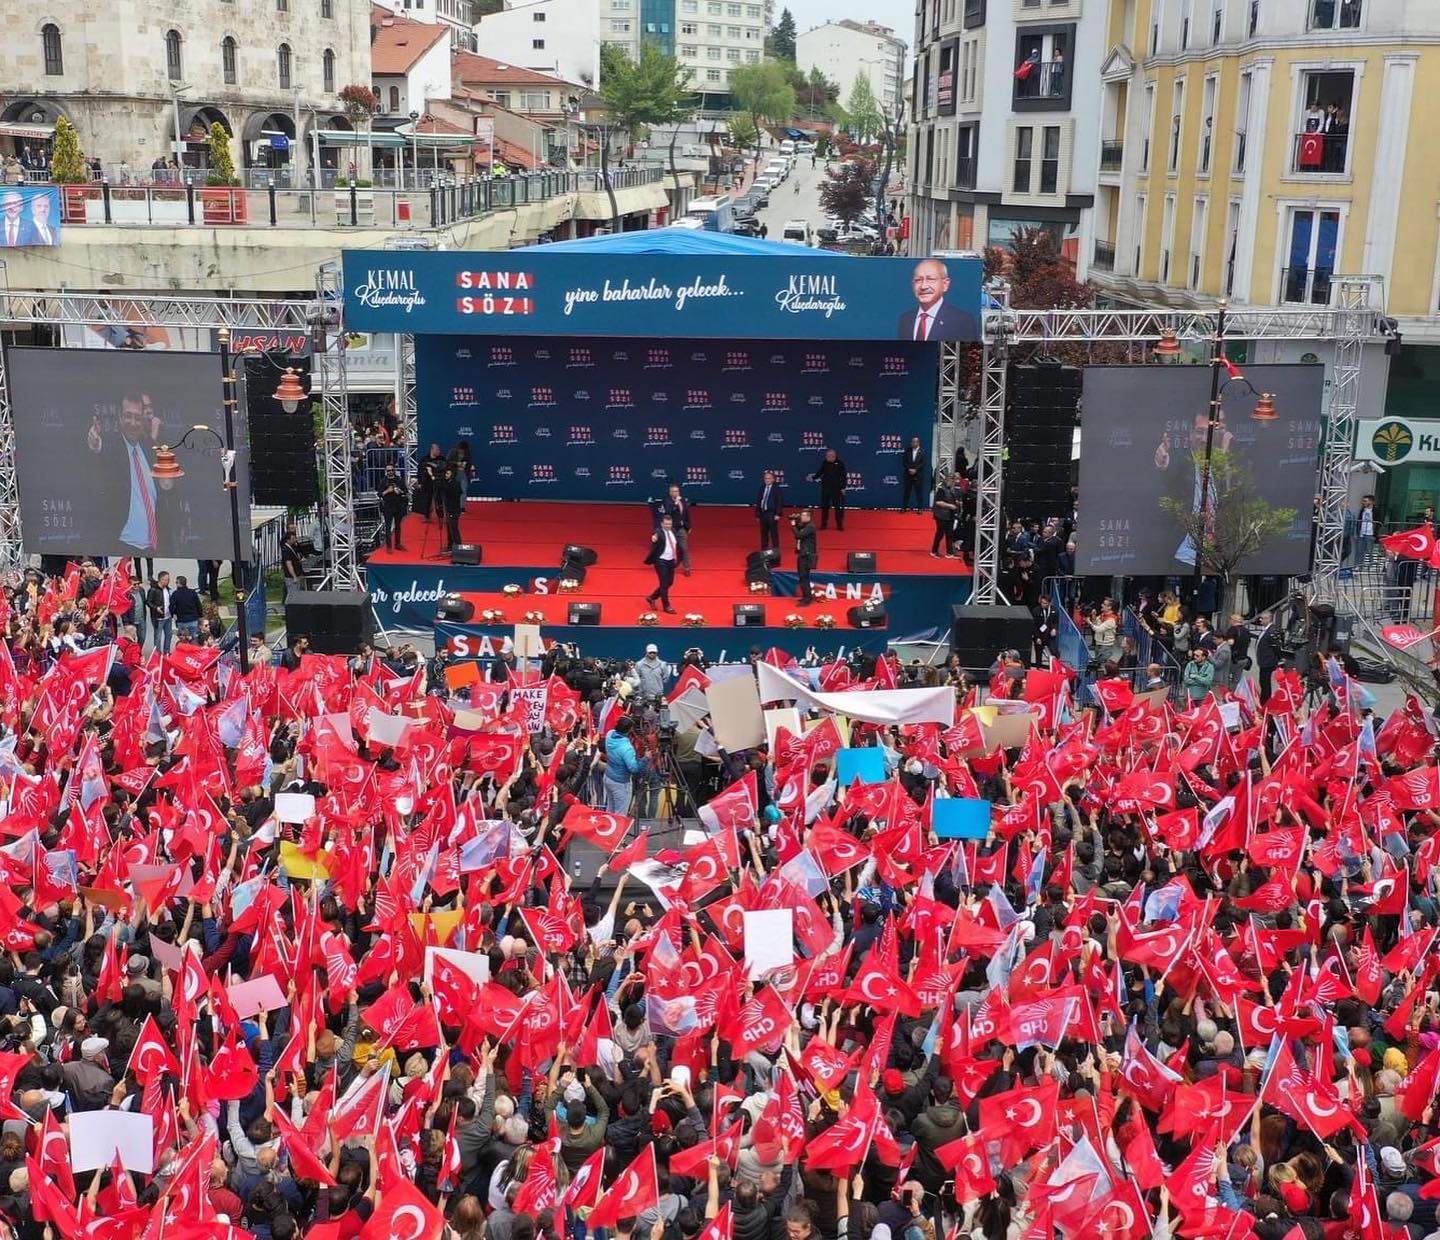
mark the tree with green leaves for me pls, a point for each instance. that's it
(222, 163)
(763, 92)
(743, 134)
(67, 164)
(780, 45)
(1240, 522)
(653, 90)
(845, 192)
(361, 103)
(863, 111)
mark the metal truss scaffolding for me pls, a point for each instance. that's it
(135, 312)
(1019, 334)
(337, 447)
(1352, 302)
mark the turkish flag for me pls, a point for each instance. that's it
(733, 809)
(232, 1073)
(1144, 1076)
(1416, 544)
(1369, 980)
(601, 829)
(403, 1213)
(633, 852)
(151, 1057)
(1025, 1116)
(584, 1190)
(969, 1161)
(835, 850)
(1314, 1103)
(303, 1160)
(760, 1025)
(635, 1190)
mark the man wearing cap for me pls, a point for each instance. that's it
(652, 673)
(87, 1080)
(135, 974)
(583, 1132)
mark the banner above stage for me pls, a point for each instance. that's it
(534, 291)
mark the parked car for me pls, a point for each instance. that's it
(747, 227)
(761, 195)
(796, 230)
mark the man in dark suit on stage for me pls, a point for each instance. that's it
(769, 503)
(832, 478)
(133, 504)
(664, 554)
(805, 556)
(677, 508)
(912, 475)
(1267, 655)
(932, 319)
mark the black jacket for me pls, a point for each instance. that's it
(1267, 648)
(776, 504)
(679, 514)
(805, 541)
(185, 605)
(393, 496)
(832, 478)
(155, 603)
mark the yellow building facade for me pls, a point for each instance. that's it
(1255, 149)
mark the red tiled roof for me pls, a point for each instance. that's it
(399, 44)
(482, 71)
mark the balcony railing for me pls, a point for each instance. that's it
(965, 172)
(1104, 259)
(1046, 80)
(441, 203)
(1335, 14)
(1112, 155)
(1319, 153)
(1306, 285)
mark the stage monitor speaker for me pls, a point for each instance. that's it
(583, 613)
(758, 576)
(335, 621)
(978, 633)
(574, 553)
(465, 553)
(860, 562)
(867, 616)
(455, 609)
(748, 615)
(572, 570)
(762, 559)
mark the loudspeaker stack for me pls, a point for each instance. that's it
(1040, 431)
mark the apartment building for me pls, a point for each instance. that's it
(557, 37)
(844, 50)
(1004, 128)
(709, 37)
(1254, 149)
(455, 14)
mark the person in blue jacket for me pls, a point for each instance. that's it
(622, 764)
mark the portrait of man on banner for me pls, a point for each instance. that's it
(933, 318)
(29, 216)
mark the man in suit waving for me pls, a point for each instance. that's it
(932, 319)
(768, 505)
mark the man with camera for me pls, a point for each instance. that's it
(805, 554)
(622, 764)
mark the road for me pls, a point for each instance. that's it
(786, 203)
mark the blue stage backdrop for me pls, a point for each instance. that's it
(616, 420)
(777, 293)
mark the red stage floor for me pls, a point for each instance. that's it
(530, 536)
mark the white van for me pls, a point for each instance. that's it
(777, 170)
(787, 147)
(796, 230)
(804, 148)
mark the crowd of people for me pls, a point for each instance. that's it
(304, 952)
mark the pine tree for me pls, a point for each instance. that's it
(782, 38)
(67, 164)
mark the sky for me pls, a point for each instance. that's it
(899, 15)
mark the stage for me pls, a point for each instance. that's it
(522, 542)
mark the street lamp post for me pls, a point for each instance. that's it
(414, 149)
(231, 484)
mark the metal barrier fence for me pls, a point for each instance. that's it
(436, 204)
(372, 465)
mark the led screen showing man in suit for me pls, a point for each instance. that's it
(933, 318)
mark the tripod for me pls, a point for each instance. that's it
(675, 793)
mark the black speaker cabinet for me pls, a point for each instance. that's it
(575, 553)
(748, 615)
(860, 562)
(762, 559)
(572, 570)
(455, 609)
(583, 613)
(867, 616)
(465, 553)
(335, 621)
(978, 633)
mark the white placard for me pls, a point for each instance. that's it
(777, 717)
(528, 644)
(475, 965)
(535, 698)
(769, 941)
(294, 806)
(388, 729)
(97, 1136)
(1230, 714)
(169, 956)
(262, 994)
